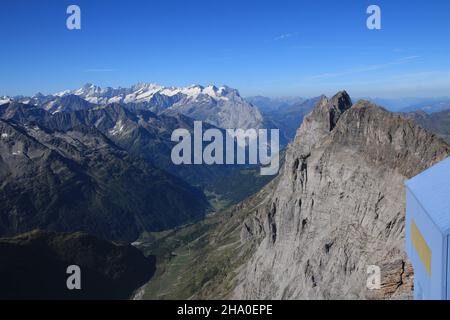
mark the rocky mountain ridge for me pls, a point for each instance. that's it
(338, 206)
(221, 106)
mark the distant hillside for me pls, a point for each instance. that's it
(410, 104)
(289, 118)
(429, 107)
(266, 104)
(438, 122)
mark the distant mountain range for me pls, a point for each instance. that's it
(266, 104)
(428, 105)
(289, 117)
(220, 106)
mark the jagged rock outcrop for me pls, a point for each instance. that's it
(338, 207)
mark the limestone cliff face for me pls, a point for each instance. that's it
(338, 207)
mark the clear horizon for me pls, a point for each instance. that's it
(272, 49)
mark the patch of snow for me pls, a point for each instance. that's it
(62, 93)
(170, 92)
(50, 105)
(192, 91)
(115, 99)
(118, 128)
(4, 100)
(93, 100)
(210, 91)
(145, 95)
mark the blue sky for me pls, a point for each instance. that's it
(273, 48)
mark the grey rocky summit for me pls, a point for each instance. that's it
(338, 207)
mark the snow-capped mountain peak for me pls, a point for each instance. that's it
(220, 106)
(4, 100)
(144, 92)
